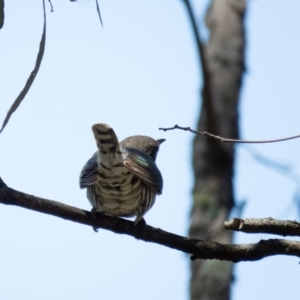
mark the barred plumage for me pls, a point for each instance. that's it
(122, 179)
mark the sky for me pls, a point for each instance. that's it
(137, 73)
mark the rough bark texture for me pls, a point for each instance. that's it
(213, 161)
(198, 249)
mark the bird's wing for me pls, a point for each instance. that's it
(144, 167)
(89, 173)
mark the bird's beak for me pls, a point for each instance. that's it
(160, 141)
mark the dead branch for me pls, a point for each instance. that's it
(227, 140)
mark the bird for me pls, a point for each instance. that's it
(122, 179)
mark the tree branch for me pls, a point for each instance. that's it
(227, 140)
(267, 225)
(199, 249)
(197, 38)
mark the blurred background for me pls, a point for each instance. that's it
(137, 73)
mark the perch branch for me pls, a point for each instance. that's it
(199, 249)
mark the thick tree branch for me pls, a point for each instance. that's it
(197, 248)
(267, 225)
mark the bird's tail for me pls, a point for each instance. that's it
(110, 154)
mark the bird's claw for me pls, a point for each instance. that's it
(95, 213)
(142, 223)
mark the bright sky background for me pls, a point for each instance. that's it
(138, 73)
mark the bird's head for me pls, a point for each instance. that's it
(143, 143)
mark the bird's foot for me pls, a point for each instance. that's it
(143, 225)
(95, 213)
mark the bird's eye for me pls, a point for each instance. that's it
(150, 151)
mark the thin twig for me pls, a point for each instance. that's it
(196, 35)
(32, 75)
(227, 140)
(51, 5)
(99, 13)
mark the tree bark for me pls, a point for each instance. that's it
(213, 161)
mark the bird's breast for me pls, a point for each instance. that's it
(117, 183)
